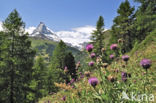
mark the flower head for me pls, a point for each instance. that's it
(91, 63)
(93, 81)
(72, 81)
(92, 55)
(125, 58)
(63, 98)
(89, 47)
(145, 63)
(113, 46)
(124, 76)
(65, 69)
(111, 56)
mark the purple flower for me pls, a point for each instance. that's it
(125, 58)
(72, 81)
(93, 81)
(111, 56)
(124, 76)
(91, 63)
(145, 63)
(63, 98)
(113, 46)
(82, 76)
(92, 55)
(65, 69)
(89, 47)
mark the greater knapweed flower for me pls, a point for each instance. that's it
(120, 40)
(111, 56)
(113, 46)
(91, 63)
(111, 78)
(125, 58)
(124, 76)
(92, 55)
(145, 63)
(64, 98)
(89, 47)
(93, 81)
(65, 69)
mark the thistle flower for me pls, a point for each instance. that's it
(87, 74)
(124, 76)
(105, 65)
(78, 64)
(65, 69)
(63, 98)
(92, 55)
(145, 63)
(89, 47)
(125, 58)
(91, 63)
(72, 81)
(93, 81)
(113, 46)
(111, 56)
(103, 50)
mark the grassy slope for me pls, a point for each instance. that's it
(46, 47)
(146, 49)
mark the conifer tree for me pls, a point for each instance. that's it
(97, 36)
(40, 77)
(145, 21)
(121, 28)
(17, 61)
(70, 63)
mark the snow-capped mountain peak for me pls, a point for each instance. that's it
(42, 31)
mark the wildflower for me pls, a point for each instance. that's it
(82, 76)
(124, 76)
(120, 40)
(72, 81)
(125, 58)
(98, 60)
(65, 69)
(89, 47)
(91, 63)
(78, 64)
(63, 98)
(105, 65)
(111, 56)
(92, 55)
(113, 46)
(145, 63)
(87, 74)
(103, 50)
(93, 81)
(111, 78)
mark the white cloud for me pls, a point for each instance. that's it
(30, 29)
(1, 26)
(76, 35)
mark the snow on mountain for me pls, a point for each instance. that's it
(43, 31)
(76, 37)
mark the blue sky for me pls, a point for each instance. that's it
(62, 14)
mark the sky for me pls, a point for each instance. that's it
(65, 17)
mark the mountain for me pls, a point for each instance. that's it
(43, 32)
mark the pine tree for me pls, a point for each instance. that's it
(122, 26)
(70, 63)
(17, 61)
(56, 68)
(97, 36)
(40, 77)
(145, 21)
